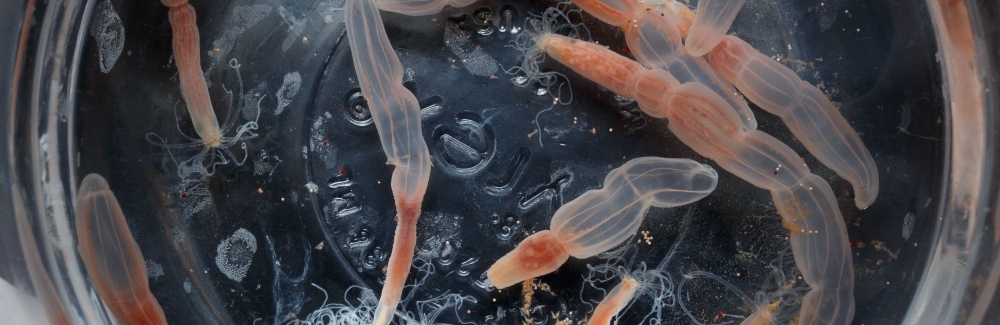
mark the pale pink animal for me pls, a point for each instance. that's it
(703, 121)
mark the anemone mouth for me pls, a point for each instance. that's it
(213, 142)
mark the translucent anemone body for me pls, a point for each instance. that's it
(212, 154)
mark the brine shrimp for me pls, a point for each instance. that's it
(209, 156)
(777, 302)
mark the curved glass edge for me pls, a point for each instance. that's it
(959, 286)
(961, 278)
(12, 266)
(985, 273)
(39, 165)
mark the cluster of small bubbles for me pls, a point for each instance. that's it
(484, 21)
(295, 28)
(289, 88)
(479, 63)
(251, 102)
(234, 254)
(431, 107)
(108, 31)
(320, 145)
(241, 19)
(475, 60)
(154, 270)
(264, 164)
(193, 197)
(357, 111)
